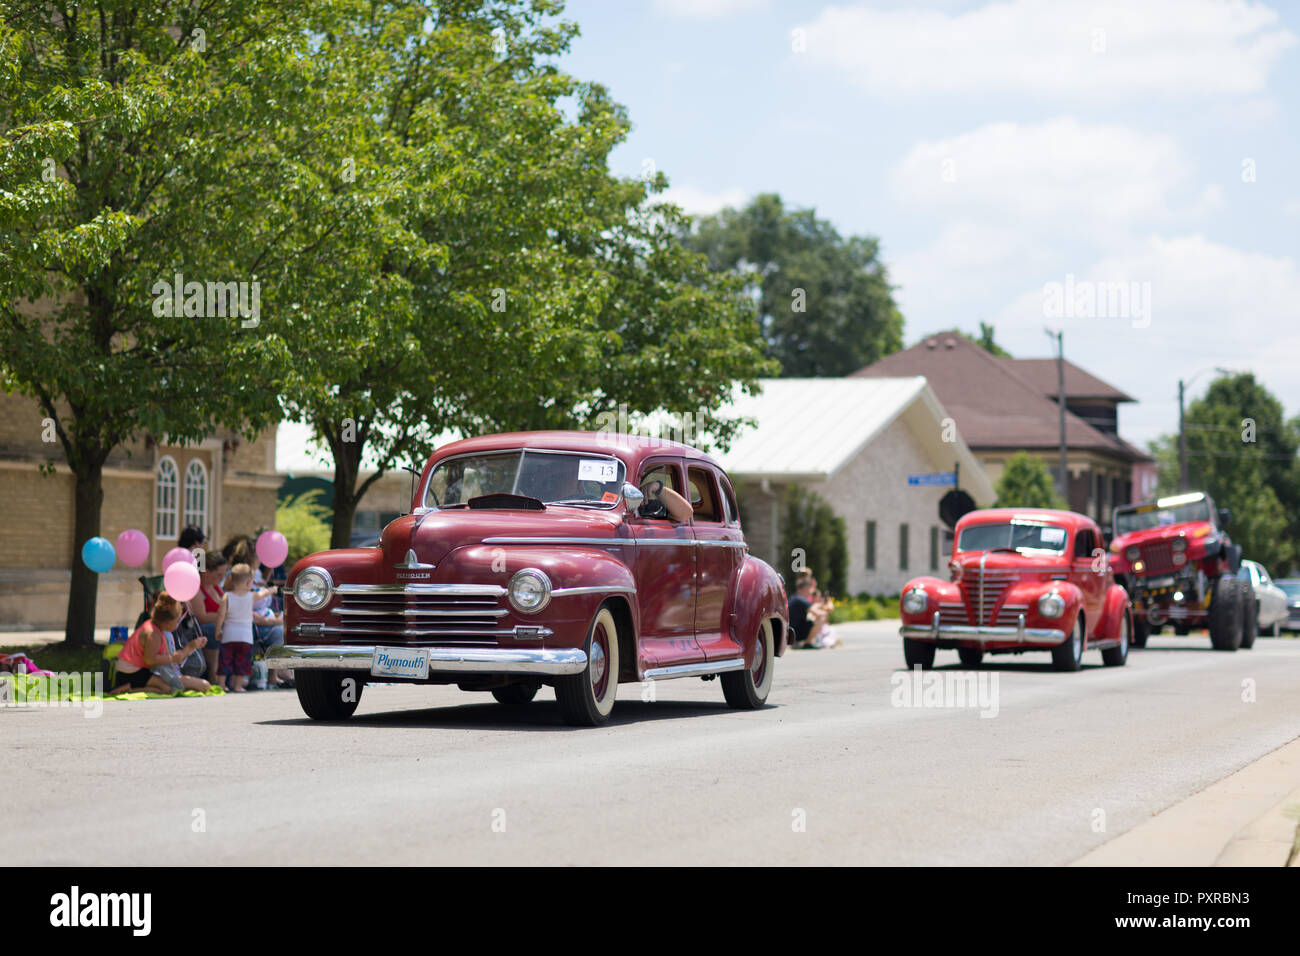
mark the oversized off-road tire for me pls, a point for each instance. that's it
(586, 699)
(748, 689)
(1116, 656)
(1068, 656)
(1225, 617)
(1249, 614)
(1141, 631)
(517, 694)
(328, 695)
(970, 656)
(918, 654)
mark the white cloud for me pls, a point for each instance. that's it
(699, 202)
(1211, 305)
(704, 9)
(1054, 48)
(1071, 173)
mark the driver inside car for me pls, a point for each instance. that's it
(662, 502)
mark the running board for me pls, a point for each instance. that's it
(703, 669)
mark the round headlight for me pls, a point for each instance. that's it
(529, 591)
(915, 601)
(1051, 604)
(313, 589)
(1133, 552)
(1179, 545)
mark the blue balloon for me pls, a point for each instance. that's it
(98, 554)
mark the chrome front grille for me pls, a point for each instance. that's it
(983, 590)
(952, 614)
(419, 614)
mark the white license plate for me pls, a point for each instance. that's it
(400, 662)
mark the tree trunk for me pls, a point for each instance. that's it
(88, 502)
(347, 465)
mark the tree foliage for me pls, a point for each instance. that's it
(825, 303)
(1026, 482)
(812, 537)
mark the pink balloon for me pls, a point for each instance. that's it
(181, 580)
(177, 554)
(272, 548)
(133, 547)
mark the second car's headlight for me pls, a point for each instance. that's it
(1133, 552)
(529, 591)
(915, 601)
(1051, 604)
(313, 589)
(1179, 544)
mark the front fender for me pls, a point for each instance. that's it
(937, 590)
(1112, 616)
(1028, 593)
(759, 595)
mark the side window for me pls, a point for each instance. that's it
(704, 495)
(1083, 544)
(729, 501)
(661, 471)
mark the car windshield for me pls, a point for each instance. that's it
(571, 478)
(1013, 536)
(1167, 511)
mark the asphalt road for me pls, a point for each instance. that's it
(832, 771)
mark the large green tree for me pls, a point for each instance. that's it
(1241, 450)
(138, 142)
(508, 280)
(812, 538)
(825, 302)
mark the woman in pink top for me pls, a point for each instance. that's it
(147, 649)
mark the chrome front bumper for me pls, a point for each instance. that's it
(452, 660)
(984, 635)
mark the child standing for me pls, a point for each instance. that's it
(235, 628)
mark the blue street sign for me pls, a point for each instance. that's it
(938, 478)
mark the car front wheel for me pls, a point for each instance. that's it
(1069, 656)
(970, 656)
(1116, 656)
(918, 653)
(586, 699)
(748, 689)
(328, 695)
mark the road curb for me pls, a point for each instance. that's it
(1248, 818)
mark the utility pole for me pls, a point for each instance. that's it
(1182, 442)
(1063, 476)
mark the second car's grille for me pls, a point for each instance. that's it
(983, 591)
(418, 614)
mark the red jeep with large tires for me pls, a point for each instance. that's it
(1179, 567)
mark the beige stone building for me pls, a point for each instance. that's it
(226, 484)
(855, 442)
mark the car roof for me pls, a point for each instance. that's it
(631, 448)
(982, 516)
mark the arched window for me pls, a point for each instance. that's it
(165, 499)
(196, 495)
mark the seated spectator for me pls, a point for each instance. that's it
(205, 607)
(146, 663)
(810, 615)
(191, 537)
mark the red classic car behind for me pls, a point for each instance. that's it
(537, 558)
(1022, 579)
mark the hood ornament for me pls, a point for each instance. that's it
(413, 566)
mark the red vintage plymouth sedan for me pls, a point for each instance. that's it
(543, 558)
(1022, 580)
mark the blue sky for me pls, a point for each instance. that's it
(995, 148)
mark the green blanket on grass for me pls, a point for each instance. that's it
(31, 688)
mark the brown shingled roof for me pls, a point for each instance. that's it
(993, 405)
(1041, 373)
